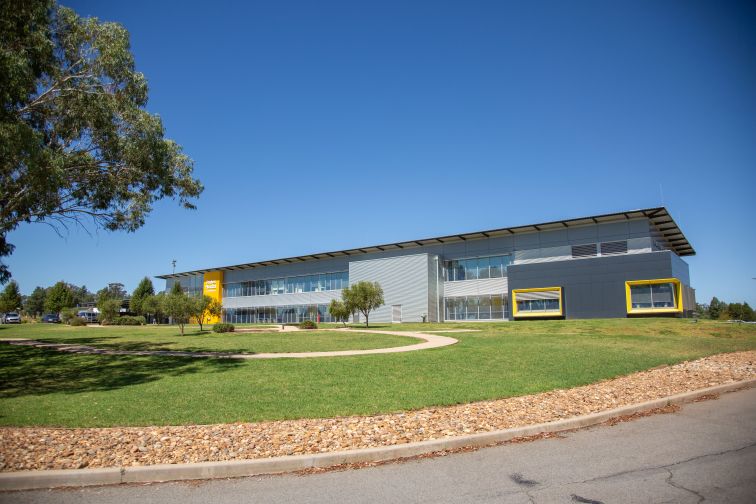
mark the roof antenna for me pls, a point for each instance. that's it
(661, 195)
(174, 265)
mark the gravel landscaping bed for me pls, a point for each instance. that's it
(50, 448)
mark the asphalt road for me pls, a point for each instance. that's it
(707, 451)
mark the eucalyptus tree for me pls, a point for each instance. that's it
(77, 145)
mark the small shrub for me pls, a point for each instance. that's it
(223, 327)
(77, 321)
(308, 324)
(129, 320)
(67, 314)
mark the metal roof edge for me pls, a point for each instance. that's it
(655, 214)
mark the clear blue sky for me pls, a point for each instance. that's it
(325, 125)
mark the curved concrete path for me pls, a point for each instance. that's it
(429, 341)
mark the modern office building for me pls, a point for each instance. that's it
(615, 265)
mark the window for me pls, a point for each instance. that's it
(493, 307)
(654, 296)
(471, 269)
(538, 302)
(290, 285)
(483, 267)
(477, 268)
(277, 314)
(472, 307)
(484, 307)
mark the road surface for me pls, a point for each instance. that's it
(705, 452)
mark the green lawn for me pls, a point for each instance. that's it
(169, 338)
(42, 387)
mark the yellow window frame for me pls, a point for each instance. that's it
(678, 296)
(552, 313)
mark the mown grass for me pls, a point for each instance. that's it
(39, 387)
(169, 338)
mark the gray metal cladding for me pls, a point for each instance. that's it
(435, 287)
(476, 287)
(534, 246)
(595, 287)
(297, 298)
(287, 270)
(680, 270)
(405, 281)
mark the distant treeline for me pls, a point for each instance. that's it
(719, 310)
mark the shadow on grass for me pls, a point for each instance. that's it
(32, 371)
(112, 343)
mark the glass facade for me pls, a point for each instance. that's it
(192, 284)
(538, 305)
(277, 314)
(661, 295)
(476, 268)
(493, 307)
(537, 302)
(289, 285)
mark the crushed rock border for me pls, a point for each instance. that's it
(136, 453)
(30, 480)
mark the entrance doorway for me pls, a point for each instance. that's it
(396, 313)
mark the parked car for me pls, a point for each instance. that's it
(51, 318)
(12, 318)
(90, 317)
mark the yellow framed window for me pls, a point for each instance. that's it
(660, 295)
(537, 302)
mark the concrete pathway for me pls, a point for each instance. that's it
(429, 341)
(704, 452)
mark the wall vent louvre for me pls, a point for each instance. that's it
(588, 250)
(614, 247)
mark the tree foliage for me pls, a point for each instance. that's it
(179, 307)
(144, 290)
(77, 145)
(81, 294)
(153, 306)
(114, 290)
(720, 310)
(10, 298)
(34, 304)
(110, 309)
(363, 297)
(206, 308)
(339, 311)
(58, 297)
(716, 308)
(740, 311)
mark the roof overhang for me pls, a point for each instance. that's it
(658, 217)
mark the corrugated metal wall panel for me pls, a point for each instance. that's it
(539, 246)
(476, 287)
(435, 282)
(301, 298)
(284, 270)
(594, 287)
(404, 281)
